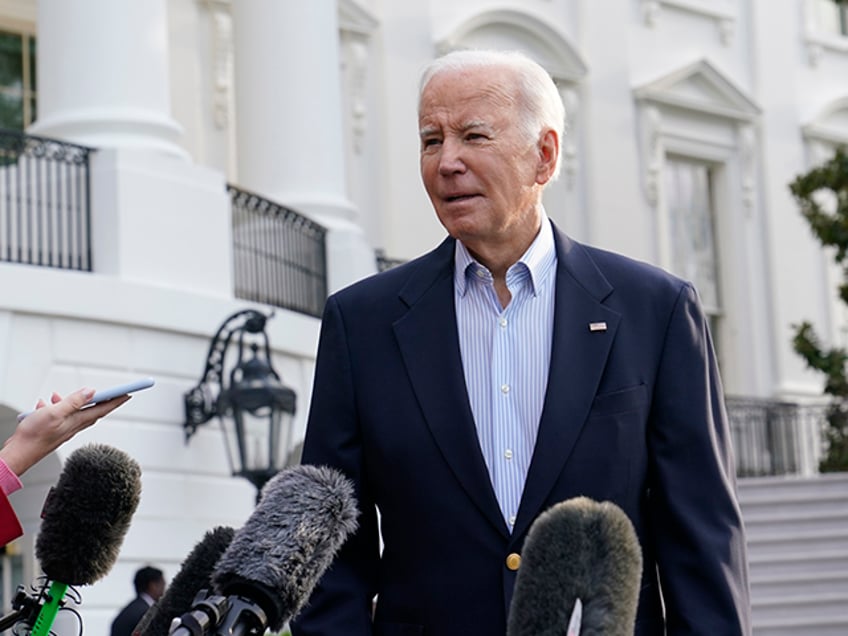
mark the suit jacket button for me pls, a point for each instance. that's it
(513, 561)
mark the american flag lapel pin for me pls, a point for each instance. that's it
(597, 326)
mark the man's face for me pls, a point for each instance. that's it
(157, 589)
(482, 173)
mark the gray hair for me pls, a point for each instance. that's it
(542, 106)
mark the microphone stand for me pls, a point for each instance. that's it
(24, 606)
(221, 615)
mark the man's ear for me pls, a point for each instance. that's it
(548, 154)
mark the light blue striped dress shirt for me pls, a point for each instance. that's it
(506, 355)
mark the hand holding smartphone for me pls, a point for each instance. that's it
(110, 393)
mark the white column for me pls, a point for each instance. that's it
(103, 74)
(289, 121)
(156, 218)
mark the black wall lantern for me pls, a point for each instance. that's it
(253, 405)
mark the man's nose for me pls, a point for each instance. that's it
(450, 157)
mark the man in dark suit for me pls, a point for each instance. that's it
(509, 369)
(149, 583)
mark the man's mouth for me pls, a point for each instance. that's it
(459, 197)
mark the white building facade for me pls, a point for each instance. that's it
(687, 120)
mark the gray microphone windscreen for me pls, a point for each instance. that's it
(194, 575)
(303, 517)
(87, 513)
(578, 549)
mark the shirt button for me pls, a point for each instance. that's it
(508, 453)
(502, 322)
(504, 388)
(513, 561)
(512, 520)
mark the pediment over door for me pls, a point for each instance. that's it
(831, 124)
(700, 87)
(355, 18)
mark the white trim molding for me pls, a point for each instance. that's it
(700, 90)
(830, 125)
(356, 27)
(818, 40)
(220, 13)
(356, 19)
(724, 14)
(534, 35)
(701, 87)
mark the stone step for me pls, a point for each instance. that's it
(831, 605)
(799, 563)
(787, 484)
(780, 540)
(769, 586)
(803, 626)
(823, 506)
(797, 534)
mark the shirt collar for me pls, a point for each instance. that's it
(539, 260)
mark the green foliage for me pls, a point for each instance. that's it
(830, 226)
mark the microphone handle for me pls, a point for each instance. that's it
(222, 616)
(48, 612)
(12, 617)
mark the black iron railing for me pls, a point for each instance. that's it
(384, 262)
(775, 438)
(279, 255)
(44, 202)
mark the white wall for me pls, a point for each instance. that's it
(150, 310)
(63, 330)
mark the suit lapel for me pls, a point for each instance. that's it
(428, 341)
(578, 357)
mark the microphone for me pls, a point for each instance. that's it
(274, 561)
(84, 520)
(195, 575)
(581, 568)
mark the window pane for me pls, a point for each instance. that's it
(11, 110)
(832, 17)
(693, 251)
(11, 61)
(11, 82)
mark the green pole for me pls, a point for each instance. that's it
(45, 618)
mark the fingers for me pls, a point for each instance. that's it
(108, 406)
(79, 398)
(91, 414)
(49, 426)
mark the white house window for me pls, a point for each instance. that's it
(17, 80)
(691, 223)
(832, 16)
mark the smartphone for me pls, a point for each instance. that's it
(112, 392)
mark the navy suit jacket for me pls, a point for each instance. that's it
(129, 617)
(633, 414)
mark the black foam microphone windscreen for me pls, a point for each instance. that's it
(195, 575)
(87, 514)
(303, 517)
(578, 549)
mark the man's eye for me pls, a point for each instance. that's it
(430, 142)
(475, 137)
